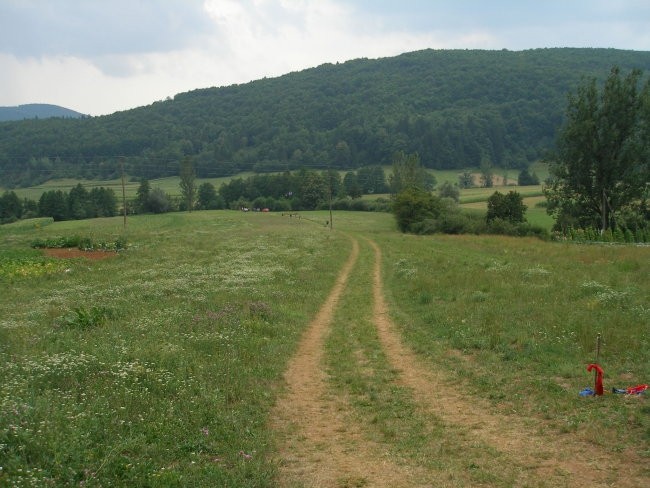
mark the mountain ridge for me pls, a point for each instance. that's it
(36, 111)
(455, 108)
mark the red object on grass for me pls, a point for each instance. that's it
(636, 390)
(599, 377)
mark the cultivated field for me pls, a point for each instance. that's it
(248, 349)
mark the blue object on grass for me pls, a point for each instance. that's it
(586, 392)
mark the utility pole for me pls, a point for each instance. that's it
(329, 178)
(123, 190)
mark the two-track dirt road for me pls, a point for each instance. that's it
(323, 446)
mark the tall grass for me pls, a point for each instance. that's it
(160, 365)
(516, 321)
(157, 366)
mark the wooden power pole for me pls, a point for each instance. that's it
(123, 190)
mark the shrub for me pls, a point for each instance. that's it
(498, 225)
(424, 227)
(508, 207)
(359, 205)
(120, 243)
(447, 190)
(413, 206)
(526, 178)
(82, 319)
(523, 229)
(381, 205)
(158, 201)
(378, 205)
(341, 204)
(57, 242)
(628, 236)
(459, 223)
(84, 243)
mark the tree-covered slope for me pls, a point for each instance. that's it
(455, 108)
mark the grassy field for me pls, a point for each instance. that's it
(160, 366)
(524, 316)
(177, 376)
(169, 185)
(535, 214)
(471, 198)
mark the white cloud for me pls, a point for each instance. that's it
(99, 57)
(90, 28)
(68, 81)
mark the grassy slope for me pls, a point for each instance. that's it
(205, 309)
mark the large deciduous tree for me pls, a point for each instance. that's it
(142, 196)
(188, 183)
(11, 208)
(508, 207)
(602, 165)
(414, 205)
(313, 189)
(53, 204)
(408, 173)
(208, 198)
(352, 186)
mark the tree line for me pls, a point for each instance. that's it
(456, 109)
(600, 179)
(79, 203)
(305, 189)
(599, 188)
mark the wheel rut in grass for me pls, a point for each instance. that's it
(320, 445)
(553, 460)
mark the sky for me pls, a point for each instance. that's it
(103, 56)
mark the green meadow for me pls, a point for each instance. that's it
(160, 365)
(169, 185)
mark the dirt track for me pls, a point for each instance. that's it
(323, 447)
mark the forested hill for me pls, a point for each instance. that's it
(36, 111)
(455, 108)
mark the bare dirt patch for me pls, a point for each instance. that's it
(69, 253)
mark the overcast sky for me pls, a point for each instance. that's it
(101, 56)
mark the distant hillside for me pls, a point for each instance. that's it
(36, 111)
(455, 108)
